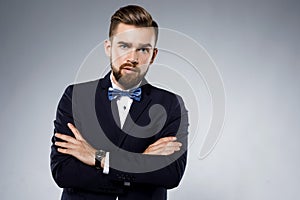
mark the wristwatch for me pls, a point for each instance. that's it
(99, 155)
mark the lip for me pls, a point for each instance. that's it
(129, 69)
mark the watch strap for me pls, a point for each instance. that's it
(99, 155)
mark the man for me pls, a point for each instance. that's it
(120, 137)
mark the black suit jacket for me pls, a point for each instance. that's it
(132, 175)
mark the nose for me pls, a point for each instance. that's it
(132, 57)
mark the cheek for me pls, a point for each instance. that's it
(144, 59)
(116, 58)
(144, 68)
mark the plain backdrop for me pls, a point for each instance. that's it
(254, 43)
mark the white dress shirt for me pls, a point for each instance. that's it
(123, 104)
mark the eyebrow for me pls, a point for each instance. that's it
(140, 44)
(145, 45)
(126, 43)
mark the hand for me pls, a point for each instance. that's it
(77, 147)
(163, 146)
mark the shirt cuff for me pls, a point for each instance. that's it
(106, 164)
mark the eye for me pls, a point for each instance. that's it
(123, 46)
(144, 50)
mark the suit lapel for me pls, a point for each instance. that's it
(136, 110)
(107, 111)
(138, 107)
(108, 115)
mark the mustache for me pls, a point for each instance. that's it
(128, 64)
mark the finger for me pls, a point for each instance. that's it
(166, 153)
(163, 151)
(164, 139)
(174, 144)
(75, 131)
(64, 151)
(164, 145)
(66, 138)
(71, 152)
(65, 145)
(173, 148)
(157, 147)
(168, 150)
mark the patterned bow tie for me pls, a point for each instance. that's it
(134, 94)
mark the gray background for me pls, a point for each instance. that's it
(255, 45)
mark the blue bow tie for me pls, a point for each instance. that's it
(134, 94)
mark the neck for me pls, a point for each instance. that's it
(120, 86)
(117, 83)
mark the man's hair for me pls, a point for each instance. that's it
(132, 15)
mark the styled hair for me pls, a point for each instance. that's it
(132, 15)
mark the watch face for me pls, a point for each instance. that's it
(100, 154)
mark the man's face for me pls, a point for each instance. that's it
(131, 51)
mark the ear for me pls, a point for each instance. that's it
(155, 51)
(107, 47)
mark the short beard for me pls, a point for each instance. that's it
(127, 80)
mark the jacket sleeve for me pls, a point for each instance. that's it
(171, 174)
(67, 171)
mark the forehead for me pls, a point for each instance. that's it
(134, 35)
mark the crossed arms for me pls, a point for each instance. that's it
(79, 148)
(73, 158)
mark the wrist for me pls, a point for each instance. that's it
(99, 159)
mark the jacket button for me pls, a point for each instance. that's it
(126, 183)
